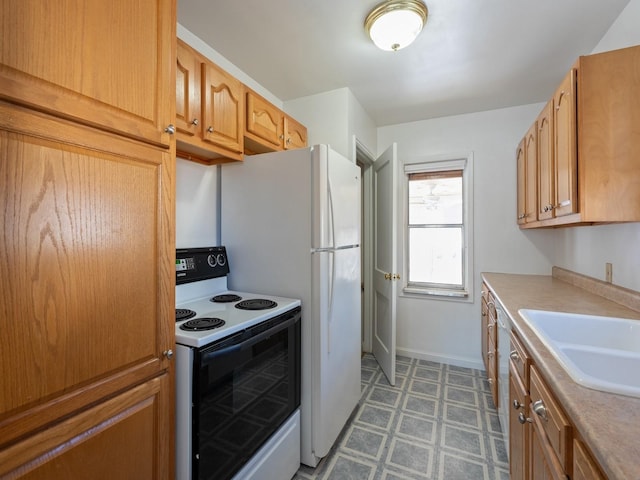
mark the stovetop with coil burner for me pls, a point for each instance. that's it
(234, 315)
(219, 313)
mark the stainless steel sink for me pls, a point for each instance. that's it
(602, 353)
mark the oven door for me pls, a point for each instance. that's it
(244, 388)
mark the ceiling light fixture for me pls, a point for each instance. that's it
(394, 24)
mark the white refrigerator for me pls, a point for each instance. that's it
(291, 224)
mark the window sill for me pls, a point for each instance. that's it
(436, 294)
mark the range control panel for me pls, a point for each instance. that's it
(194, 264)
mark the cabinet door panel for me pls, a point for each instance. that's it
(223, 109)
(518, 432)
(188, 111)
(87, 246)
(546, 177)
(264, 120)
(531, 174)
(521, 207)
(566, 146)
(120, 438)
(484, 342)
(295, 134)
(108, 64)
(543, 461)
(584, 467)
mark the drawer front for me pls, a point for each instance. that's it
(519, 360)
(552, 420)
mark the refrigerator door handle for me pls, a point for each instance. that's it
(332, 274)
(331, 217)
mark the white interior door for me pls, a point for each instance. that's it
(385, 184)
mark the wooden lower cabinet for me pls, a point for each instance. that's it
(542, 440)
(123, 437)
(518, 428)
(584, 466)
(489, 344)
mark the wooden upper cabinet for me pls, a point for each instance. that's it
(295, 134)
(546, 175)
(209, 110)
(264, 124)
(103, 66)
(218, 119)
(589, 144)
(188, 78)
(609, 136)
(269, 129)
(223, 109)
(565, 147)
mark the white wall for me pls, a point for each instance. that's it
(449, 331)
(334, 118)
(326, 117)
(360, 126)
(587, 249)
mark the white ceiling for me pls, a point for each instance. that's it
(473, 55)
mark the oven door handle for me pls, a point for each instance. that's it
(210, 356)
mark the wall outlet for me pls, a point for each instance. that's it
(608, 272)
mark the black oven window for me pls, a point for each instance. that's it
(247, 386)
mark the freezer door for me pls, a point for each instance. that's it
(336, 326)
(336, 199)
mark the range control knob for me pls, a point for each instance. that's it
(212, 260)
(221, 259)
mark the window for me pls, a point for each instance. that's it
(438, 224)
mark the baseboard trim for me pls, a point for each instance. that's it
(446, 359)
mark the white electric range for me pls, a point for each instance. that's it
(237, 376)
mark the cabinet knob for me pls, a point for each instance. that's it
(517, 405)
(540, 409)
(288, 140)
(521, 216)
(513, 355)
(194, 121)
(210, 129)
(522, 419)
(168, 354)
(170, 129)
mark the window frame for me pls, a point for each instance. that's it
(464, 163)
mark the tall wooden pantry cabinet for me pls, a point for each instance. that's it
(87, 246)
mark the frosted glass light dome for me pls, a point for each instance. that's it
(394, 24)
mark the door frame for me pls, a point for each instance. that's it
(365, 159)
